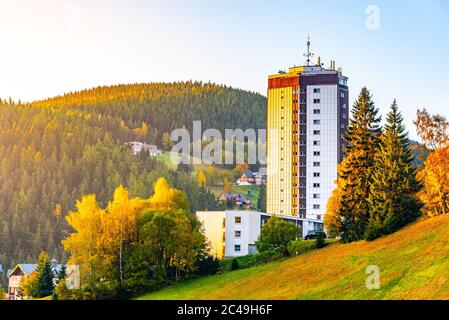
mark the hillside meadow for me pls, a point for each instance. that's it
(414, 264)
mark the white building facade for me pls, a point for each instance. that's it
(234, 233)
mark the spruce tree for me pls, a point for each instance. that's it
(45, 276)
(62, 273)
(262, 199)
(393, 201)
(361, 144)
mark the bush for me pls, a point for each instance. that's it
(319, 241)
(250, 260)
(235, 264)
(301, 246)
(276, 234)
(2, 293)
(207, 266)
(374, 230)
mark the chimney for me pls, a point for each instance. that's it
(319, 61)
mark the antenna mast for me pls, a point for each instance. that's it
(309, 54)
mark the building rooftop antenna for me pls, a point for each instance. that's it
(309, 54)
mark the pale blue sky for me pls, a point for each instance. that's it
(53, 46)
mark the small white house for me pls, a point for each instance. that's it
(16, 275)
(138, 147)
(234, 233)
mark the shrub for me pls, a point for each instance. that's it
(301, 246)
(374, 230)
(209, 265)
(276, 235)
(319, 241)
(235, 264)
(2, 293)
(251, 260)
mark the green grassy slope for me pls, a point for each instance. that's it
(414, 264)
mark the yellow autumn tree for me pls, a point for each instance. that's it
(2, 294)
(331, 218)
(435, 181)
(227, 185)
(57, 211)
(113, 246)
(83, 244)
(142, 132)
(118, 225)
(166, 198)
(28, 286)
(201, 178)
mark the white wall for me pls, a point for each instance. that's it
(328, 147)
(250, 227)
(212, 223)
(250, 231)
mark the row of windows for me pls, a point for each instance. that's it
(317, 143)
(238, 234)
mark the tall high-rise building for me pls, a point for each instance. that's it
(306, 118)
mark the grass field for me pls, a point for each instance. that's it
(217, 190)
(413, 263)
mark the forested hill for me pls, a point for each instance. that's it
(54, 151)
(168, 106)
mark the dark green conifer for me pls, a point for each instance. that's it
(392, 198)
(45, 276)
(362, 141)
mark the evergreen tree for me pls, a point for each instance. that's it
(62, 273)
(356, 171)
(262, 199)
(235, 264)
(393, 201)
(45, 276)
(319, 241)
